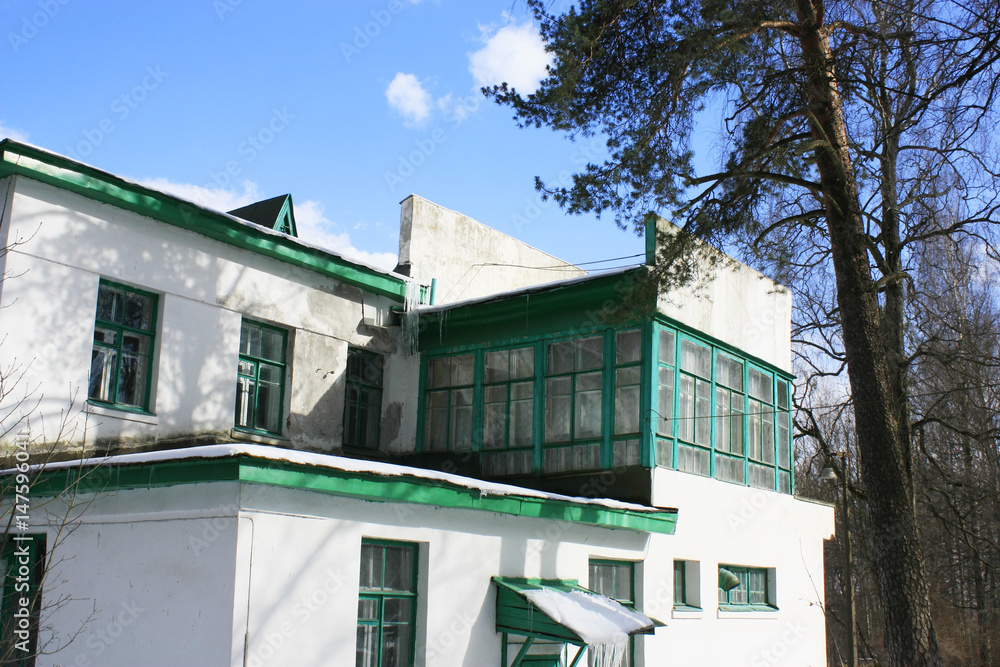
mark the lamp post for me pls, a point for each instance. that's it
(832, 472)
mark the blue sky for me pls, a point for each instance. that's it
(349, 106)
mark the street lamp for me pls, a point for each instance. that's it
(833, 472)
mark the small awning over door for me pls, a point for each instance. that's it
(560, 610)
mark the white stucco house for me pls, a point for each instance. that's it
(227, 446)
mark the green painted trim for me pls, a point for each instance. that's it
(374, 487)
(100, 186)
(577, 310)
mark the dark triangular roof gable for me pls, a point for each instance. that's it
(275, 213)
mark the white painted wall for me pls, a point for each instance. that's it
(284, 575)
(454, 249)
(721, 523)
(49, 297)
(736, 305)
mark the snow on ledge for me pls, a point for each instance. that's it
(595, 618)
(332, 462)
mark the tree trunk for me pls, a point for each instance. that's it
(909, 631)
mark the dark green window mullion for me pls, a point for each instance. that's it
(712, 407)
(607, 400)
(675, 423)
(478, 373)
(538, 419)
(648, 395)
(422, 402)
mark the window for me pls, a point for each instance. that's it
(260, 382)
(616, 580)
(628, 391)
(574, 395)
(746, 587)
(760, 431)
(121, 366)
(665, 399)
(508, 411)
(687, 584)
(363, 400)
(728, 418)
(22, 566)
(387, 604)
(448, 403)
(784, 424)
(695, 408)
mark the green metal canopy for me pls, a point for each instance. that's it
(520, 611)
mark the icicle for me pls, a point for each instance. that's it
(411, 321)
(610, 654)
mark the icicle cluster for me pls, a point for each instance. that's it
(610, 654)
(411, 321)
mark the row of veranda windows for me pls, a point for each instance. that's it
(121, 368)
(577, 405)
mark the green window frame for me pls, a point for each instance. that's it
(680, 583)
(615, 579)
(448, 403)
(628, 377)
(363, 398)
(574, 404)
(261, 378)
(121, 364)
(22, 568)
(746, 588)
(720, 414)
(508, 411)
(387, 604)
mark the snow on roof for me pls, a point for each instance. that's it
(496, 296)
(246, 223)
(339, 463)
(595, 618)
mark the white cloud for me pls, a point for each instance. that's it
(219, 199)
(315, 228)
(312, 226)
(515, 54)
(407, 96)
(7, 132)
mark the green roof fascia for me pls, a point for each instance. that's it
(64, 173)
(362, 485)
(583, 306)
(660, 318)
(288, 213)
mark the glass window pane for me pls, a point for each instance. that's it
(371, 566)
(561, 358)
(760, 385)
(397, 610)
(132, 379)
(109, 304)
(784, 441)
(557, 409)
(696, 358)
(461, 370)
(627, 409)
(587, 417)
(367, 609)
(102, 374)
(495, 425)
(438, 373)
(522, 363)
(767, 435)
(722, 425)
(703, 427)
(665, 402)
(521, 415)
(496, 366)
(250, 340)
(244, 401)
(628, 346)
(398, 569)
(268, 407)
(367, 651)
(666, 347)
(461, 419)
(395, 646)
(436, 421)
(272, 345)
(590, 353)
(783, 394)
(685, 423)
(138, 311)
(729, 372)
